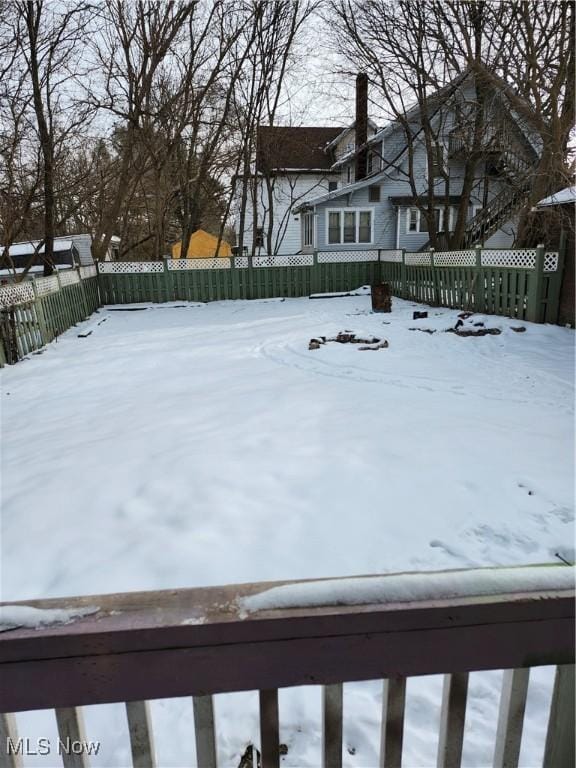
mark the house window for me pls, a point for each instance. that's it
(476, 210)
(374, 193)
(308, 229)
(417, 221)
(334, 235)
(259, 237)
(350, 226)
(373, 163)
(365, 227)
(332, 186)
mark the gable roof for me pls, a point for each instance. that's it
(301, 148)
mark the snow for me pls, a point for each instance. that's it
(407, 587)
(28, 247)
(12, 616)
(198, 445)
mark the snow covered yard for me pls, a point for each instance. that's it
(191, 445)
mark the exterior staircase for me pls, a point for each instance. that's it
(488, 220)
(499, 209)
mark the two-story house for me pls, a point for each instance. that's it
(436, 178)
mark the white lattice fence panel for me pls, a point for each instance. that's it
(523, 258)
(550, 261)
(346, 256)
(455, 259)
(395, 256)
(16, 294)
(241, 262)
(287, 260)
(88, 271)
(129, 267)
(69, 278)
(178, 265)
(418, 259)
(46, 285)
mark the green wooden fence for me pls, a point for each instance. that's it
(521, 283)
(215, 284)
(35, 312)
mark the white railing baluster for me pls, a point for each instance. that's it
(452, 719)
(204, 731)
(511, 717)
(141, 737)
(393, 702)
(332, 710)
(9, 738)
(269, 729)
(559, 750)
(71, 731)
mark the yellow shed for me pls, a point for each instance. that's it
(202, 246)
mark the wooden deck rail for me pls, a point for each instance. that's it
(196, 642)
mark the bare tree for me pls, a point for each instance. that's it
(519, 58)
(277, 31)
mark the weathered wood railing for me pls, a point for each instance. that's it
(198, 642)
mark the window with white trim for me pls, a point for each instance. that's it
(417, 221)
(308, 229)
(349, 226)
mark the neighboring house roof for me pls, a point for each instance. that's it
(294, 148)
(28, 247)
(567, 195)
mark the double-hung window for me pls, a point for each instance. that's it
(416, 221)
(350, 226)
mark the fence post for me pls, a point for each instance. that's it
(403, 274)
(534, 307)
(315, 286)
(479, 290)
(434, 278)
(555, 283)
(39, 306)
(168, 285)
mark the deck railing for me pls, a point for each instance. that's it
(139, 646)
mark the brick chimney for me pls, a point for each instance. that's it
(361, 124)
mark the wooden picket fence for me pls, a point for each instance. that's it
(520, 283)
(221, 279)
(35, 312)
